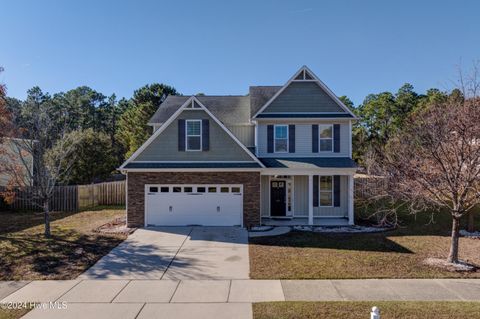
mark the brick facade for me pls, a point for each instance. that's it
(137, 180)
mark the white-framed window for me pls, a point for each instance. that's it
(326, 137)
(326, 191)
(193, 135)
(280, 138)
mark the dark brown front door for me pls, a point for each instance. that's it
(277, 198)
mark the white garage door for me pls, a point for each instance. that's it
(180, 205)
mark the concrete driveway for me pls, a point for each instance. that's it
(177, 253)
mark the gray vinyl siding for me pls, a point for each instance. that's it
(244, 133)
(342, 210)
(265, 196)
(303, 141)
(303, 97)
(301, 199)
(300, 189)
(165, 146)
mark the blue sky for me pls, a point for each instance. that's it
(222, 47)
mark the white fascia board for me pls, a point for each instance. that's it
(316, 171)
(275, 120)
(263, 171)
(228, 132)
(190, 162)
(173, 117)
(192, 169)
(278, 93)
(316, 80)
(329, 92)
(157, 132)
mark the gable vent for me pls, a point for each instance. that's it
(304, 76)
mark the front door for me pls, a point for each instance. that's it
(277, 198)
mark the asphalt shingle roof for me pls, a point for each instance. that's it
(304, 115)
(229, 109)
(309, 162)
(259, 95)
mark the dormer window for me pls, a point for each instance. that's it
(193, 135)
(281, 138)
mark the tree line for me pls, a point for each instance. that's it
(109, 130)
(106, 130)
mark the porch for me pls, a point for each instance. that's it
(323, 198)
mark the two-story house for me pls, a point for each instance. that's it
(279, 155)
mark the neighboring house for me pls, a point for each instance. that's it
(14, 161)
(279, 155)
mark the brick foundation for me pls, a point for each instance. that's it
(137, 180)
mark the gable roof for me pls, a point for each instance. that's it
(241, 109)
(259, 95)
(229, 109)
(193, 100)
(307, 76)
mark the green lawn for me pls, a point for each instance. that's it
(394, 254)
(356, 310)
(25, 254)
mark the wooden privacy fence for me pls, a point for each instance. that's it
(70, 198)
(111, 193)
(76, 197)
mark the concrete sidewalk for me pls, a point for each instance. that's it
(221, 298)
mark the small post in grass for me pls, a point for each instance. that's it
(375, 313)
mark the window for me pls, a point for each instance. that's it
(235, 189)
(177, 189)
(326, 191)
(326, 138)
(281, 138)
(193, 135)
(212, 189)
(289, 196)
(188, 189)
(153, 189)
(201, 189)
(223, 189)
(164, 189)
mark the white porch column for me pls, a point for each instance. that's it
(310, 199)
(350, 200)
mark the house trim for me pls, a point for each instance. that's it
(316, 80)
(190, 101)
(275, 139)
(200, 135)
(191, 169)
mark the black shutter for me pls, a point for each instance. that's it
(336, 138)
(181, 135)
(205, 135)
(336, 190)
(315, 191)
(314, 138)
(291, 138)
(270, 139)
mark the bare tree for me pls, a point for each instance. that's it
(435, 161)
(5, 128)
(45, 152)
